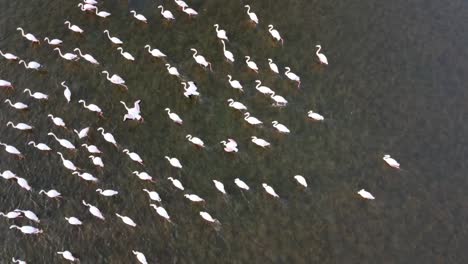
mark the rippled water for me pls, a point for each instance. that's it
(395, 84)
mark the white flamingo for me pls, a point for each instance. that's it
(195, 140)
(252, 120)
(161, 211)
(236, 105)
(36, 95)
(174, 162)
(86, 176)
(82, 133)
(270, 190)
(208, 217)
(181, 3)
(18, 105)
(73, 220)
(292, 76)
(9, 56)
(153, 195)
(97, 161)
(51, 193)
(200, 59)
(174, 117)
(12, 150)
(125, 54)
(365, 194)
(23, 183)
(73, 28)
(176, 183)
(280, 127)
(107, 193)
(66, 92)
(91, 2)
(114, 40)
(172, 70)
(322, 58)
(241, 184)
(87, 57)
(28, 36)
(68, 56)
(235, 83)
(229, 56)
(253, 17)
(29, 215)
(63, 142)
(127, 220)
(31, 65)
(220, 186)
(275, 34)
(252, 65)
(166, 13)
(11, 215)
(194, 198)
(86, 7)
(230, 145)
(66, 163)
(91, 149)
(391, 161)
(220, 33)
(144, 176)
(57, 121)
(155, 52)
(140, 257)
(140, 17)
(91, 107)
(301, 180)
(273, 66)
(94, 210)
(115, 79)
(20, 126)
(6, 84)
(260, 142)
(40, 146)
(191, 89)
(107, 136)
(279, 100)
(67, 255)
(29, 230)
(53, 42)
(7, 175)
(133, 156)
(189, 11)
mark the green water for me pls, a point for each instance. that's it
(395, 84)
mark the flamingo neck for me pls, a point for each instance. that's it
(79, 51)
(195, 54)
(61, 55)
(318, 50)
(2, 53)
(248, 10)
(22, 61)
(287, 71)
(258, 84)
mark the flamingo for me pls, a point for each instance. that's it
(365, 194)
(19, 261)
(82, 133)
(12, 150)
(220, 33)
(208, 217)
(91, 107)
(241, 184)
(20, 126)
(91, 2)
(51, 193)
(174, 117)
(166, 14)
(275, 34)
(93, 210)
(301, 180)
(280, 127)
(191, 90)
(23, 183)
(87, 57)
(155, 52)
(31, 65)
(97, 161)
(6, 84)
(107, 136)
(127, 220)
(270, 190)
(107, 193)
(102, 14)
(18, 105)
(73, 220)
(66, 163)
(28, 36)
(260, 142)
(36, 95)
(196, 141)
(253, 17)
(66, 92)
(8, 175)
(53, 42)
(92, 149)
(125, 54)
(174, 162)
(67, 255)
(140, 257)
(11, 215)
(235, 83)
(132, 113)
(8, 56)
(144, 176)
(86, 176)
(115, 79)
(29, 215)
(29, 230)
(391, 161)
(200, 59)
(133, 156)
(142, 18)
(172, 70)
(292, 76)
(189, 11)
(73, 28)
(161, 211)
(230, 145)
(229, 56)
(322, 58)
(181, 3)
(220, 186)
(153, 195)
(315, 116)
(252, 65)
(57, 121)
(86, 7)
(273, 66)
(252, 120)
(40, 146)
(176, 183)
(236, 105)
(279, 100)
(114, 40)
(68, 56)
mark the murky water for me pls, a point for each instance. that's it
(395, 84)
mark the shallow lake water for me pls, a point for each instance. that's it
(396, 84)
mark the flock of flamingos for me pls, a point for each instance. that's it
(134, 113)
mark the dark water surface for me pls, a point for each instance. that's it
(396, 84)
